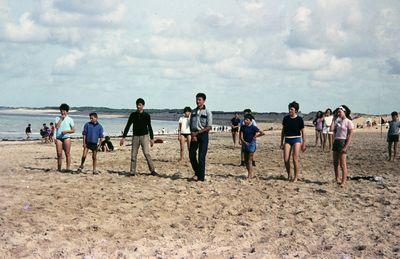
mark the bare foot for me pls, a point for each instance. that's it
(294, 180)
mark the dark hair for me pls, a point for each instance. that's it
(320, 114)
(140, 100)
(187, 109)
(93, 114)
(247, 111)
(249, 116)
(347, 112)
(51, 123)
(29, 124)
(394, 114)
(201, 95)
(44, 124)
(64, 107)
(329, 109)
(107, 138)
(294, 105)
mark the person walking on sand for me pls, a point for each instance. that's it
(253, 122)
(200, 125)
(393, 136)
(92, 133)
(64, 128)
(235, 126)
(248, 135)
(184, 131)
(293, 139)
(342, 127)
(327, 134)
(141, 122)
(52, 131)
(28, 131)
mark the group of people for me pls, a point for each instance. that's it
(322, 124)
(47, 133)
(193, 132)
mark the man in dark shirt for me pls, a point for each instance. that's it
(141, 130)
(235, 126)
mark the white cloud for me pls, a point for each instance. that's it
(70, 60)
(337, 69)
(307, 59)
(26, 31)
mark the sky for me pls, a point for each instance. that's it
(241, 53)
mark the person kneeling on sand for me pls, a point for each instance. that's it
(248, 135)
(106, 145)
(343, 129)
(92, 132)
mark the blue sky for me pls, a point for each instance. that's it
(256, 54)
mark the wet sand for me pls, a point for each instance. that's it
(44, 213)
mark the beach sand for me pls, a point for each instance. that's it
(44, 213)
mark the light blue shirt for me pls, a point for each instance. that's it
(66, 124)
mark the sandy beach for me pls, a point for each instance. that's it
(48, 214)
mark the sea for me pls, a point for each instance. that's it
(12, 126)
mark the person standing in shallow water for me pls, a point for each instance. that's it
(141, 130)
(200, 125)
(28, 131)
(64, 128)
(293, 139)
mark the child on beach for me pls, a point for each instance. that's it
(184, 131)
(45, 132)
(92, 132)
(342, 127)
(141, 122)
(107, 145)
(28, 131)
(253, 122)
(52, 131)
(327, 134)
(292, 139)
(318, 123)
(64, 128)
(393, 135)
(248, 135)
(235, 126)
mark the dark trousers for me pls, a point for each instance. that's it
(199, 164)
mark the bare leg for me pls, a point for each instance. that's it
(316, 137)
(94, 158)
(188, 140)
(336, 165)
(343, 165)
(330, 139)
(249, 165)
(320, 137)
(67, 150)
(324, 141)
(296, 162)
(286, 158)
(59, 149)
(84, 154)
(182, 146)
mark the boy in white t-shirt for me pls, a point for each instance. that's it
(184, 130)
